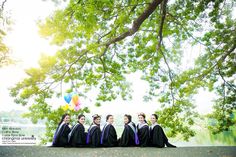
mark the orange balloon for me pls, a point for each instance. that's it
(75, 99)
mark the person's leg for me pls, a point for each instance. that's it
(165, 139)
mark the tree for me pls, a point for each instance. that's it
(104, 41)
(5, 58)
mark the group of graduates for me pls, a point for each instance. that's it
(141, 135)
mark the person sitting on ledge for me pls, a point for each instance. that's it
(60, 138)
(143, 130)
(94, 132)
(109, 136)
(77, 136)
(157, 136)
(129, 136)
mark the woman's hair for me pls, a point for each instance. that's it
(108, 116)
(96, 116)
(80, 116)
(155, 115)
(143, 115)
(129, 117)
(63, 117)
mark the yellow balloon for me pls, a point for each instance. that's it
(65, 107)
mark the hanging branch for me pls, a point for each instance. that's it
(233, 87)
(160, 43)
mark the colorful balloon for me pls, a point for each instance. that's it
(77, 108)
(67, 98)
(79, 103)
(65, 107)
(75, 99)
(73, 102)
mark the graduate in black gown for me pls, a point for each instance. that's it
(157, 135)
(60, 138)
(77, 136)
(109, 136)
(129, 136)
(94, 132)
(143, 131)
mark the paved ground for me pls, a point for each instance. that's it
(40, 151)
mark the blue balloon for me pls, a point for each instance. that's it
(68, 98)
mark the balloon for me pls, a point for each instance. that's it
(67, 98)
(79, 103)
(73, 102)
(75, 99)
(65, 107)
(77, 108)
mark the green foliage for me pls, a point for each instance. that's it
(98, 52)
(5, 58)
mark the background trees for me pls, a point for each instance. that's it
(5, 58)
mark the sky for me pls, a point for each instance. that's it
(26, 46)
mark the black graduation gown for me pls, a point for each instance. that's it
(158, 137)
(143, 135)
(109, 139)
(61, 136)
(94, 134)
(127, 137)
(77, 136)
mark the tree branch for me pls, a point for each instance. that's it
(185, 29)
(163, 10)
(2, 5)
(226, 82)
(160, 36)
(221, 59)
(136, 23)
(104, 68)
